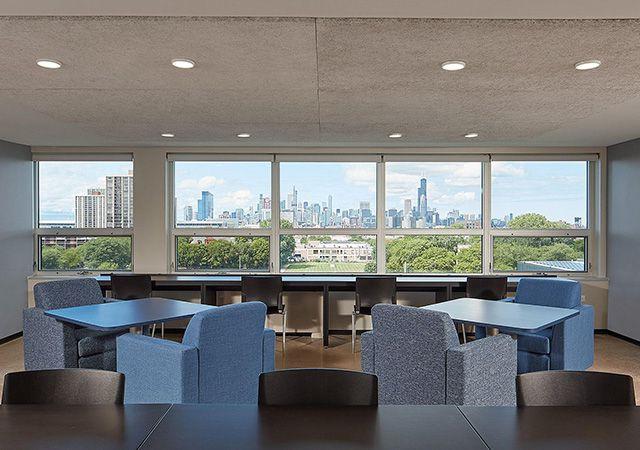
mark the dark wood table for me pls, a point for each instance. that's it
(606, 428)
(506, 316)
(251, 427)
(444, 287)
(77, 427)
(126, 314)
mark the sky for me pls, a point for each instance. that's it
(554, 189)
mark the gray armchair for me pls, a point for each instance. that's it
(419, 361)
(49, 344)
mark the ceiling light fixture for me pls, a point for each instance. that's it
(471, 135)
(395, 135)
(168, 135)
(243, 135)
(452, 66)
(49, 63)
(588, 65)
(182, 63)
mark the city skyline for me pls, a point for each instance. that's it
(556, 190)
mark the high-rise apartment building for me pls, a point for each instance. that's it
(422, 199)
(188, 213)
(205, 206)
(119, 201)
(90, 209)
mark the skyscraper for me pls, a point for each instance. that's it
(119, 201)
(205, 206)
(188, 213)
(90, 209)
(422, 199)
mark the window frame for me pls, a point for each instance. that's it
(592, 233)
(39, 232)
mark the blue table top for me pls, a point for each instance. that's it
(121, 315)
(508, 317)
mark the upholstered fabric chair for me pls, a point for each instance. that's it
(566, 346)
(50, 344)
(419, 361)
(220, 359)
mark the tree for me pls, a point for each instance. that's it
(287, 244)
(535, 221)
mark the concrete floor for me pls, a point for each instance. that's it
(611, 355)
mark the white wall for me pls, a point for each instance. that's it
(16, 231)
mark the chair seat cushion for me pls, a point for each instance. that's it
(92, 342)
(539, 343)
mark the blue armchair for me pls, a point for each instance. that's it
(567, 346)
(220, 359)
(419, 361)
(49, 344)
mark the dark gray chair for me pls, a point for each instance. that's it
(134, 287)
(371, 291)
(485, 288)
(50, 344)
(574, 388)
(63, 387)
(266, 289)
(317, 387)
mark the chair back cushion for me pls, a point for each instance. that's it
(67, 293)
(371, 290)
(131, 287)
(557, 292)
(410, 354)
(263, 288)
(229, 342)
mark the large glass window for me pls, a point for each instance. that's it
(222, 253)
(328, 194)
(84, 215)
(85, 194)
(79, 253)
(433, 195)
(539, 195)
(539, 254)
(434, 254)
(324, 253)
(222, 194)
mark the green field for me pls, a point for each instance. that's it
(324, 267)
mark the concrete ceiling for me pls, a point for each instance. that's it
(441, 9)
(305, 81)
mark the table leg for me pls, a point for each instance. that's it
(325, 315)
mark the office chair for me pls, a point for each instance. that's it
(370, 291)
(317, 387)
(574, 388)
(268, 290)
(133, 287)
(485, 288)
(63, 387)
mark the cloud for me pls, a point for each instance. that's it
(458, 198)
(361, 175)
(210, 182)
(506, 169)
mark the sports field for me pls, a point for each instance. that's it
(325, 267)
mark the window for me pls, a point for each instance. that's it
(222, 194)
(222, 254)
(443, 214)
(85, 215)
(540, 216)
(433, 195)
(324, 253)
(539, 195)
(328, 194)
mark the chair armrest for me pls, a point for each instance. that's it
(508, 299)
(268, 350)
(48, 343)
(367, 354)
(483, 372)
(572, 344)
(157, 370)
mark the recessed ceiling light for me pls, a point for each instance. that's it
(243, 135)
(471, 135)
(395, 135)
(49, 63)
(168, 135)
(588, 65)
(182, 63)
(452, 66)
